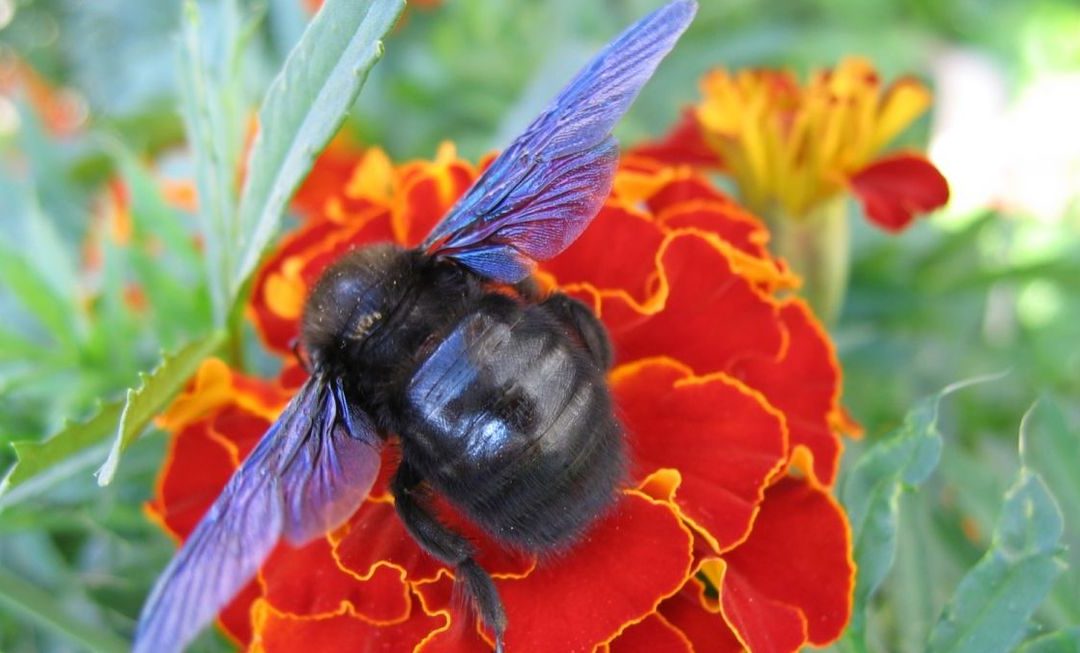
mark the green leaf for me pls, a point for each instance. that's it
(304, 107)
(39, 465)
(43, 608)
(211, 83)
(35, 294)
(1063, 641)
(871, 494)
(1051, 447)
(156, 389)
(990, 610)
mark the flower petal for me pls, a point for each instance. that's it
(685, 144)
(375, 536)
(762, 623)
(804, 383)
(308, 581)
(626, 564)
(894, 189)
(653, 633)
(344, 631)
(461, 634)
(702, 313)
(724, 439)
(618, 250)
(428, 190)
(798, 555)
(196, 469)
(705, 628)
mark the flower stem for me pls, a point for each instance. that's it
(817, 247)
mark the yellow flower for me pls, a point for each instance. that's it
(792, 147)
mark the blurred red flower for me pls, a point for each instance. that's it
(727, 536)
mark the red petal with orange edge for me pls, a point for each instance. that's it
(281, 633)
(461, 636)
(618, 250)
(375, 535)
(805, 385)
(653, 633)
(238, 431)
(893, 190)
(309, 581)
(706, 630)
(426, 199)
(684, 145)
(196, 469)
(328, 177)
(724, 440)
(626, 564)
(235, 618)
(731, 223)
(763, 623)
(711, 319)
(799, 554)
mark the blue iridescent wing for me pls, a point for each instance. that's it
(543, 190)
(307, 475)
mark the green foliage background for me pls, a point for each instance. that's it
(958, 296)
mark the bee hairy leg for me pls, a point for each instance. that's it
(413, 507)
(580, 319)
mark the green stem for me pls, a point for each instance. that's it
(817, 247)
(235, 341)
(41, 607)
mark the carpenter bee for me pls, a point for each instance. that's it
(494, 392)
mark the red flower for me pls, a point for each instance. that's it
(792, 147)
(727, 536)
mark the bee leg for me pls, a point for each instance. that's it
(451, 548)
(580, 319)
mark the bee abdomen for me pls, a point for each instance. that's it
(513, 422)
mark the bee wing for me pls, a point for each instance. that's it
(543, 190)
(311, 470)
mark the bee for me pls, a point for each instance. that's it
(494, 392)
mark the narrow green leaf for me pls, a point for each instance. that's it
(76, 446)
(1063, 641)
(42, 608)
(49, 308)
(149, 210)
(304, 107)
(871, 494)
(156, 389)
(213, 117)
(990, 610)
(1051, 447)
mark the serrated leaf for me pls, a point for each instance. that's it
(304, 107)
(990, 610)
(1066, 640)
(76, 446)
(156, 389)
(871, 494)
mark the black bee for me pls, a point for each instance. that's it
(496, 394)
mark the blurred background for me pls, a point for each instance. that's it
(89, 95)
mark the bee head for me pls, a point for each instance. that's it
(349, 300)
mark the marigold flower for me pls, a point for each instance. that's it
(727, 536)
(792, 150)
(798, 146)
